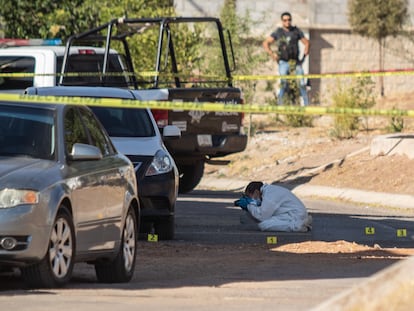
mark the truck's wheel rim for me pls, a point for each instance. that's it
(61, 248)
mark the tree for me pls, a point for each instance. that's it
(61, 19)
(19, 23)
(247, 55)
(245, 48)
(378, 19)
(51, 18)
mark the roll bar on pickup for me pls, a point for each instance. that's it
(122, 28)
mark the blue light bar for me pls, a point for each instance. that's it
(29, 42)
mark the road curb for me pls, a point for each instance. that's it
(357, 196)
(304, 190)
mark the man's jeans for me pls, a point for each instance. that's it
(284, 70)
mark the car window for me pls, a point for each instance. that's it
(74, 130)
(27, 131)
(124, 122)
(16, 64)
(99, 139)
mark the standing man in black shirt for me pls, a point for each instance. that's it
(287, 39)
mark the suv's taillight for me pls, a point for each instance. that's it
(161, 117)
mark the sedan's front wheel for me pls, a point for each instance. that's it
(55, 269)
(121, 269)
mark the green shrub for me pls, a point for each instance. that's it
(357, 94)
(396, 125)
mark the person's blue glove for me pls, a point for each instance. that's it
(243, 202)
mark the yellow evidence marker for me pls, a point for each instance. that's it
(369, 230)
(401, 233)
(271, 240)
(152, 237)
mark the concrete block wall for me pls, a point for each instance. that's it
(342, 51)
(265, 12)
(329, 12)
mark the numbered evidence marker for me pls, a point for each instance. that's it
(152, 237)
(369, 230)
(271, 240)
(401, 233)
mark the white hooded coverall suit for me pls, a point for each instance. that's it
(280, 210)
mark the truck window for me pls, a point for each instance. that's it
(16, 64)
(89, 64)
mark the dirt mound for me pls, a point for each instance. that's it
(342, 247)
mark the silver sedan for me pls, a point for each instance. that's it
(66, 195)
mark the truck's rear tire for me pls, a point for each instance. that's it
(190, 176)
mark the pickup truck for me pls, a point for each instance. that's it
(204, 135)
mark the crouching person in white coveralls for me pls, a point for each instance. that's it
(273, 208)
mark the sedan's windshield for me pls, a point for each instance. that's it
(26, 131)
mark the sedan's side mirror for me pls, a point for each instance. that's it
(84, 152)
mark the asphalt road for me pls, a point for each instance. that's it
(215, 263)
(209, 216)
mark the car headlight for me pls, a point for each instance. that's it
(13, 197)
(161, 164)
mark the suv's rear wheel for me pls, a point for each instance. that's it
(121, 269)
(55, 269)
(190, 176)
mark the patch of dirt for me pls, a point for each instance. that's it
(196, 264)
(343, 247)
(208, 257)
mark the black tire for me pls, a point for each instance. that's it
(121, 268)
(165, 228)
(55, 269)
(190, 176)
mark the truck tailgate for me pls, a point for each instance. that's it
(204, 122)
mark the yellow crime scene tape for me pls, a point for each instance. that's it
(78, 74)
(214, 107)
(203, 106)
(395, 72)
(392, 72)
